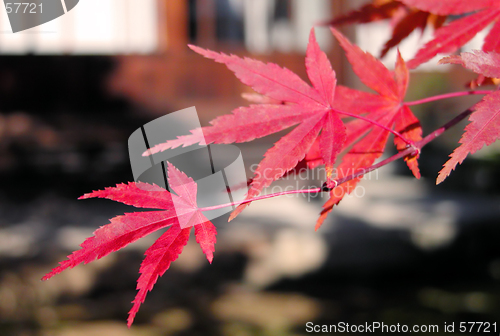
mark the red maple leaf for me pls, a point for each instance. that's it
(413, 20)
(404, 20)
(449, 38)
(376, 11)
(391, 112)
(310, 107)
(123, 230)
(484, 128)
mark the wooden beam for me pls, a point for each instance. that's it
(175, 21)
(206, 17)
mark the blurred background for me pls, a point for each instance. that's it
(71, 92)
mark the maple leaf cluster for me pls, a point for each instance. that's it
(409, 15)
(404, 20)
(318, 110)
(328, 119)
(484, 128)
(123, 230)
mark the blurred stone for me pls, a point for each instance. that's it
(266, 310)
(292, 254)
(191, 258)
(101, 328)
(173, 320)
(478, 302)
(19, 124)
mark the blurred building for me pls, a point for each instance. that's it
(148, 40)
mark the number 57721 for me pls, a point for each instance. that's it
(17, 7)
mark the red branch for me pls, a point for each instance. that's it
(448, 95)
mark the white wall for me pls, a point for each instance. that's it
(92, 27)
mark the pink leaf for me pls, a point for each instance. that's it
(130, 227)
(332, 140)
(182, 185)
(412, 21)
(122, 231)
(320, 71)
(484, 63)
(285, 155)
(205, 236)
(484, 129)
(267, 79)
(244, 124)
(492, 40)
(158, 259)
(449, 38)
(369, 70)
(138, 194)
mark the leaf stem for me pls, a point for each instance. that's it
(447, 95)
(396, 133)
(288, 192)
(417, 147)
(411, 150)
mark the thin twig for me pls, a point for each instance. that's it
(447, 95)
(396, 133)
